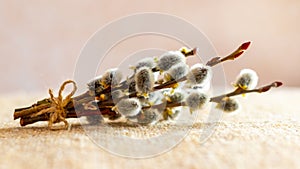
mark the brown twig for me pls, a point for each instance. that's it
(45, 103)
(105, 110)
(240, 91)
(238, 52)
(70, 114)
(79, 100)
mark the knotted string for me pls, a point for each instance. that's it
(57, 110)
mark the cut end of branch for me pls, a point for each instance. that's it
(22, 122)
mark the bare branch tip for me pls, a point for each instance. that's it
(277, 84)
(274, 84)
(245, 45)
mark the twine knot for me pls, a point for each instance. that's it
(58, 104)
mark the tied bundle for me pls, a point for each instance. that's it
(156, 91)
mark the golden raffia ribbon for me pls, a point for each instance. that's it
(57, 110)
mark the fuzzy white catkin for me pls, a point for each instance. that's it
(170, 58)
(177, 71)
(228, 105)
(95, 79)
(131, 85)
(95, 86)
(92, 84)
(112, 77)
(129, 107)
(117, 94)
(155, 97)
(148, 116)
(199, 74)
(144, 80)
(146, 62)
(247, 79)
(196, 100)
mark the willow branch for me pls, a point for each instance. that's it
(240, 91)
(238, 52)
(46, 103)
(105, 109)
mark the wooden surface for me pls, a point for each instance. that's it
(264, 134)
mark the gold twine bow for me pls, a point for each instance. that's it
(57, 110)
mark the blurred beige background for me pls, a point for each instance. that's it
(40, 41)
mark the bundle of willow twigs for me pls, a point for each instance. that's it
(156, 91)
